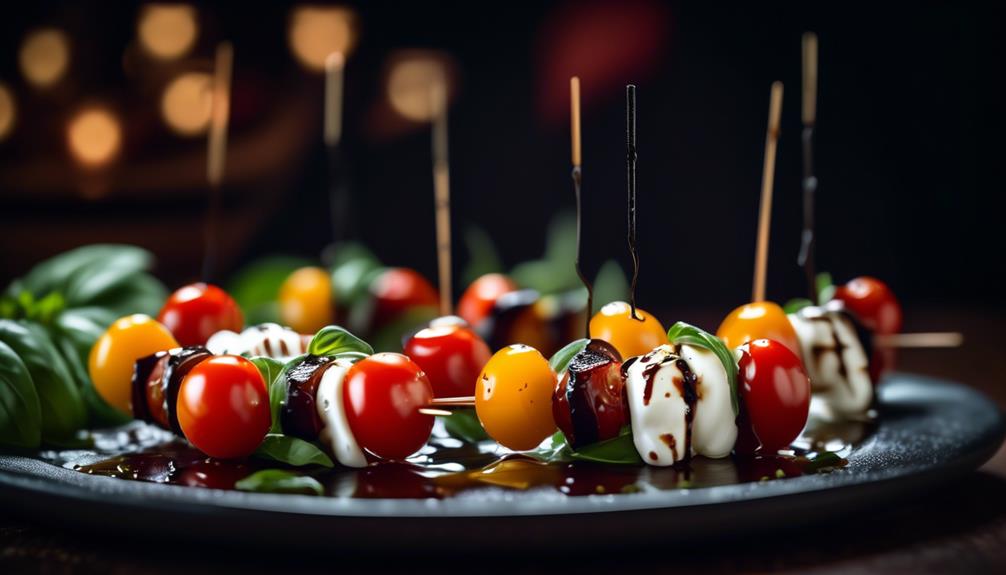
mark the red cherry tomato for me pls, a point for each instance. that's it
(775, 391)
(223, 407)
(452, 357)
(477, 303)
(196, 311)
(382, 395)
(398, 289)
(873, 303)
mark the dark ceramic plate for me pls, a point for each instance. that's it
(927, 431)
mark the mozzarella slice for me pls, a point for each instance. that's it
(835, 360)
(336, 431)
(656, 386)
(268, 339)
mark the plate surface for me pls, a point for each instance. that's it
(928, 431)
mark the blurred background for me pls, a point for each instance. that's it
(104, 108)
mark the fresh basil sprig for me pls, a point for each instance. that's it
(796, 304)
(54, 314)
(825, 287)
(280, 481)
(336, 340)
(684, 333)
(560, 360)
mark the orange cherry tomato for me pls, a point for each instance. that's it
(452, 357)
(758, 320)
(477, 303)
(110, 364)
(196, 311)
(306, 300)
(513, 397)
(631, 337)
(223, 407)
(873, 303)
(382, 395)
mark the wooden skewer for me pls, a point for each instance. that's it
(917, 340)
(463, 401)
(768, 178)
(441, 188)
(809, 109)
(434, 412)
(216, 153)
(574, 131)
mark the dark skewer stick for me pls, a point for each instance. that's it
(216, 155)
(338, 192)
(630, 167)
(441, 186)
(806, 257)
(574, 110)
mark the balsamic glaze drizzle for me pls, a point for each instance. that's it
(630, 166)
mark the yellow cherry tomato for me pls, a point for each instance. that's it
(116, 351)
(631, 337)
(513, 397)
(758, 320)
(306, 301)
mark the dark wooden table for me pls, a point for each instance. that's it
(960, 527)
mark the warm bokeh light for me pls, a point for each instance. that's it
(187, 103)
(45, 56)
(411, 77)
(8, 112)
(94, 136)
(317, 31)
(167, 31)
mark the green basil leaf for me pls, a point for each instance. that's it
(333, 340)
(270, 368)
(825, 288)
(464, 424)
(619, 450)
(797, 304)
(20, 412)
(292, 451)
(137, 292)
(256, 286)
(74, 333)
(560, 360)
(555, 450)
(62, 409)
(682, 332)
(56, 272)
(280, 481)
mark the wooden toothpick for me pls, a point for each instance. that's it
(441, 188)
(768, 178)
(574, 131)
(216, 153)
(335, 64)
(926, 340)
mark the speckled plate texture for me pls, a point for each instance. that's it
(927, 431)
